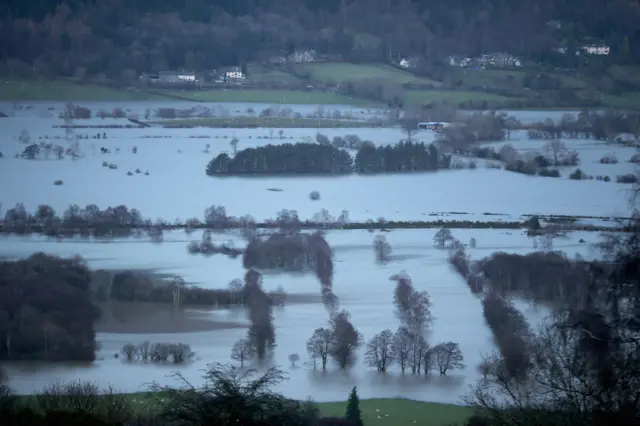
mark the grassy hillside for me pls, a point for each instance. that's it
(468, 88)
(340, 72)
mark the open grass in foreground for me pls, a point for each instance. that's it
(266, 122)
(402, 412)
(375, 412)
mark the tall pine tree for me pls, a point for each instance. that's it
(353, 409)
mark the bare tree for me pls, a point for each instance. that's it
(293, 358)
(546, 242)
(473, 243)
(409, 123)
(555, 150)
(448, 356)
(129, 351)
(234, 145)
(402, 347)
(24, 137)
(442, 237)
(319, 346)
(382, 249)
(379, 352)
(235, 285)
(243, 351)
(418, 349)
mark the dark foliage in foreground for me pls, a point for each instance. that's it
(46, 310)
(229, 396)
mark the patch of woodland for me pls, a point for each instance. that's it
(319, 158)
(46, 309)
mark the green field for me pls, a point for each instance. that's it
(267, 96)
(376, 412)
(35, 90)
(338, 72)
(452, 96)
(267, 122)
(402, 412)
(262, 74)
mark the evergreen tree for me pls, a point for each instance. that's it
(624, 49)
(353, 409)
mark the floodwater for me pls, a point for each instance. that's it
(362, 285)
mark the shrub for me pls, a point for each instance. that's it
(577, 174)
(549, 173)
(519, 166)
(609, 159)
(627, 178)
(473, 165)
(635, 158)
(105, 164)
(113, 166)
(58, 182)
(607, 179)
(129, 174)
(146, 173)
(81, 112)
(315, 195)
(138, 171)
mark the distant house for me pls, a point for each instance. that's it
(233, 74)
(302, 56)
(171, 78)
(409, 63)
(278, 59)
(596, 49)
(499, 60)
(459, 61)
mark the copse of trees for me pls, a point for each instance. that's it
(261, 334)
(46, 311)
(308, 158)
(547, 277)
(585, 358)
(339, 341)
(300, 158)
(413, 307)
(402, 157)
(295, 252)
(511, 333)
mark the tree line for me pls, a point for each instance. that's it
(309, 158)
(83, 38)
(46, 310)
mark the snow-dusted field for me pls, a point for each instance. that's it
(177, 186)
(362, 285)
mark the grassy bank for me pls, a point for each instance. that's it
(268, 122)
(375, 412)
(402, 412)
(299, 97)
